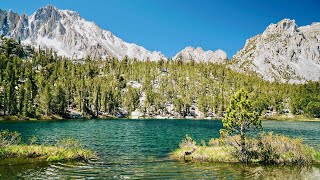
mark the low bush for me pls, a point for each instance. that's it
(203, 153)
(282, 149)
(48, 153)
(187, 142)
(267, 148)
(279, 149)
(69, 143)
(8, 138)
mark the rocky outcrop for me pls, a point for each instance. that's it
(70, 35)
(198, 55)
(283, 52)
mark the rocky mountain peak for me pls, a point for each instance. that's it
(287, 25)
(50, 12)
(284, 26)
(199, 55)
(49, 8)
(67, 33)
(46, 13)
(283, 52)
(70, 35)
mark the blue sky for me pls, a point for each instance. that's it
(171, 25)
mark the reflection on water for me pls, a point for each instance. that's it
(139, 149)
(164, 169)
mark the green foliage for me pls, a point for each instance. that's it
(130, 99)
(69, 144)
(8, 138)
(64, 150)
(205, 154)
(261, 104)
(317, 154)
(240, 117)
(303, 96)
(38, 83)
(313, 109)
(267, 149)
(279, 149)
(187, 142)
(46, 153)
(32, 140)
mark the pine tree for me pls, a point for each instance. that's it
(239, 118)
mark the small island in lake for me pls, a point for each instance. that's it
(64, 150)
(235, 144)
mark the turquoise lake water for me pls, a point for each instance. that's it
(138, 149)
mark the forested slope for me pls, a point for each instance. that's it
(37, 84)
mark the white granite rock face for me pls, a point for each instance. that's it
(198, 55)
(283, 52)
(70, 35)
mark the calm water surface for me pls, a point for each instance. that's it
(138, 149)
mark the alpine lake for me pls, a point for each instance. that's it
(139, 149)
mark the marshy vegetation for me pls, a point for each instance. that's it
(266, 149)
(63, 150)
(236, 144)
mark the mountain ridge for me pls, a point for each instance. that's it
(50, 27)
(283, 52)
(198, 55)
(70, 35)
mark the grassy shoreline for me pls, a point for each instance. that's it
(64, 150)
(266, 149)
(205, 154)
(45, 118)
(291, 118)
(45, 153)
(56, 117)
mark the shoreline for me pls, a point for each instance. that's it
(297, 118)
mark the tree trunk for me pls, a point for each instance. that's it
(243, 145)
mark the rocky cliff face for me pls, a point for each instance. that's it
(70, 35)
(283, 52)
(198, 55)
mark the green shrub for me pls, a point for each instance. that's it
(69, 143)
(187, 142)
(281, 149)
(317, 154)
(55, 158)
(64, 150)
(32, 140)
(275, 149)
(205, 154)
(8, 138)
(268, 148)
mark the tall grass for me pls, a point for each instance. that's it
(203, 153)
(64, 150)
(268, 148)
(279, 149)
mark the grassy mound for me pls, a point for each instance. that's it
(279, 149)
(205, 154)
(268, 148)
(64, 150)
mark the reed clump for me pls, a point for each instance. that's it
(64, 150)
(266, 149)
